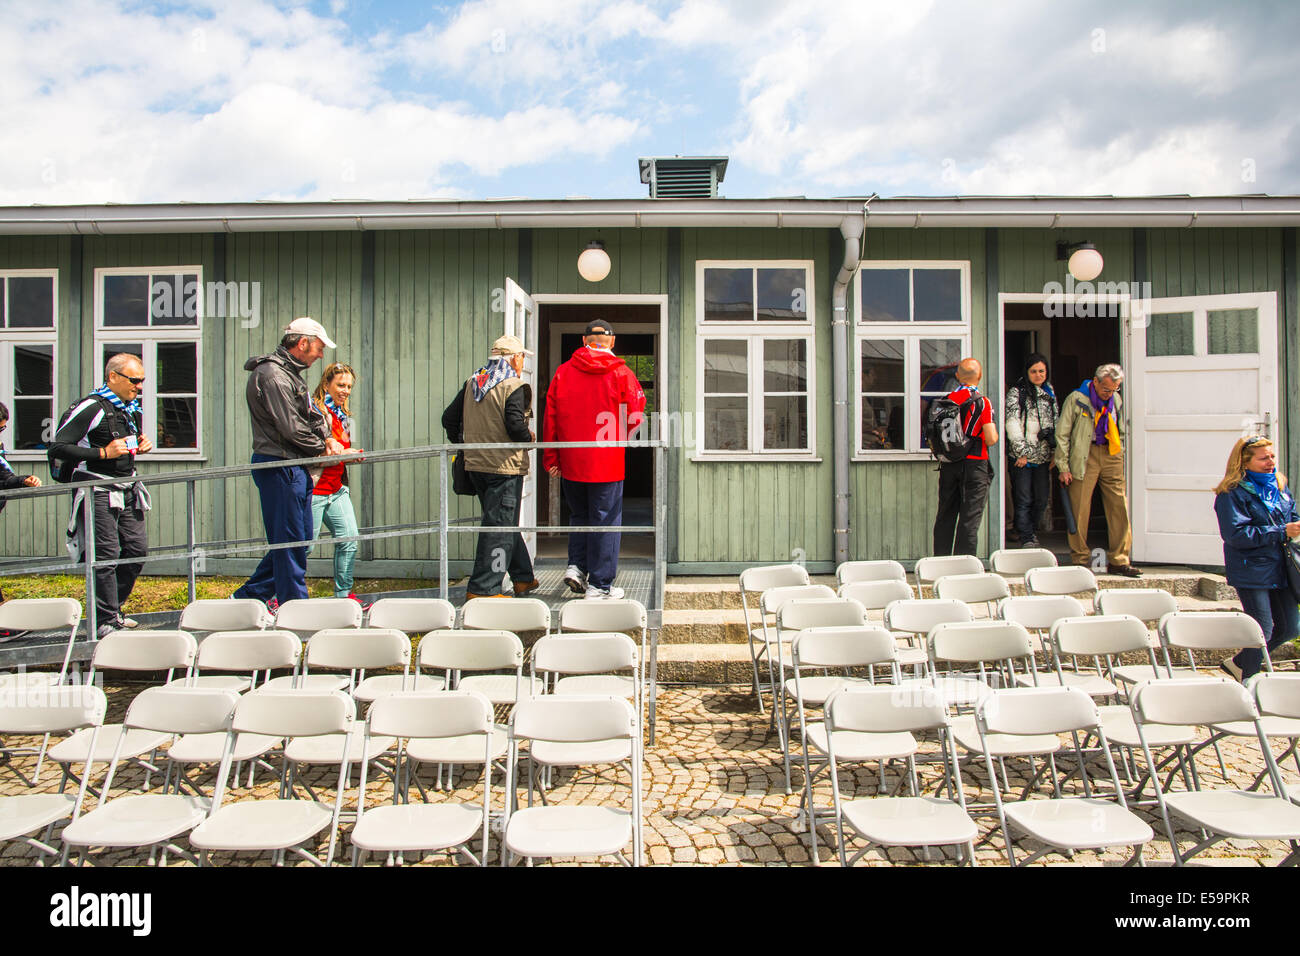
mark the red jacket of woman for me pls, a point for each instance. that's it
(593, 397)
(335, 476)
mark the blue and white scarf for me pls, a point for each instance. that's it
(497, 370)
(1264, 484)
(130, 411)
(4, 462)
(344, 420)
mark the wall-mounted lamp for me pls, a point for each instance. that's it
(593, 263)
(1085, 261)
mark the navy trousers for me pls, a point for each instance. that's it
(1278, 617)
(595, 504)
(286, 512)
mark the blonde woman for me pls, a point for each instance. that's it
(331, 502)
(1256, 515)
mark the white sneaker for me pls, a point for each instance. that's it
(575, 579)
(129, 622)
(602, 594)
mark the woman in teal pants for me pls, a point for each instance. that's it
(331, 503)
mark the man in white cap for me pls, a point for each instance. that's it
(494, 406)
(286, 425)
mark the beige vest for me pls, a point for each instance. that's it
(485, 421)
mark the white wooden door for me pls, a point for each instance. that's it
(1202, 373)
(521, 322)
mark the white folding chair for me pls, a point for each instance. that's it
(155, 820)
(1222, 813)
(47, 710)
(852, 572)
(769, 635)
(1072, 579)
(624, 616)
(1037, 613)
(1090, 821)
(412, 616)
(983, 587)
(1277, 696)
(1192, 631)
(1145, 604)
(759, 580)
(1016, 561)
(517, 615)
(928, 570)
(573, 731)
(40, 614)
(207, 616)
(876, 595)
(914, 618)
(346, 653)
(306, 616)
(456, 652)
(283, 824)
(864, 723)
(462, 717)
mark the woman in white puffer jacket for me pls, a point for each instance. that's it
(1031, 414)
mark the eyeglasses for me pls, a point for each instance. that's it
(1102, 390)
(133, 381)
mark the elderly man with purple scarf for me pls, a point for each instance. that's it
(1090, 452)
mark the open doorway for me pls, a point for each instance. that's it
(1074, 344)
(637, 341)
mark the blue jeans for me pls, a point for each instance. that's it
(596, 504)
(1275, 610)
(286, 513)
(334, 511)
(1029, 490)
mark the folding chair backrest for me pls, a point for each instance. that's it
(308, 615)
(771, 600)
(929, 570)
(773, 576)
(584, 653)
(857, 646)
(886, 709)
(915, 616)
(1037, 710)
(853, 572)
(573, 719)
(471, 650)
(294, 713)
(518, 615)
(624, 614)
(182, 710)
(820, 612)
(145, 651)
(1040, 612)
(1073, 579)
(224, 614)
(358, 648)
(412, 615)
(1212, 631)
(876, 595)
(1145, 604)
(972, 588)
(1278, 695)
(973, 642)
(49, 709)
(1102, 635)
(431, 714)
(249, 651)
(1020, 560)
(39, 614)
(1192, 701)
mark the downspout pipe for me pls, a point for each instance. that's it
(851, 228)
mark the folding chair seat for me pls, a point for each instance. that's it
(597, 730)
(40, 614)
(479, 652)
(1016, 561)
(403, 826)
(928, 570)
(47, 710)
(207, 616)
(278, 825)
(1221, 813)
(589, 665)
(857, 713)
(1073, 579)
(411, 616)
(853, 572)
(517, 615)
(154, 820)
(759, 580)
(1072, 823)
(306, 616)
(1037, 613)
(982, 588)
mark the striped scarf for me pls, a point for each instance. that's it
(130, 411)
(4, 463)
(344, 420)
(497, 370)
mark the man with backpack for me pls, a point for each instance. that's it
(963, 478)
(99, 437)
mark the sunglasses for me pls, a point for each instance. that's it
(133, 381)
(1253, 441)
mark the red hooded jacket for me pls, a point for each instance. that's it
(589, 399)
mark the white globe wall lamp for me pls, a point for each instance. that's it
(1083, 261)
(593, 263)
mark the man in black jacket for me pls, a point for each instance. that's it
(286, 425)
(9, 481)
(103, 434)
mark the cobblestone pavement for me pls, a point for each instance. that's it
(714, 795)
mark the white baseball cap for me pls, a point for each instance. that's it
(309, 326)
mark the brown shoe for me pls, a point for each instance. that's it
(469, 596)
(526, 587)
(1125, 571)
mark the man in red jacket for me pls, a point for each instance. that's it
(593, 397)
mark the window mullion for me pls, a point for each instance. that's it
(756, 443)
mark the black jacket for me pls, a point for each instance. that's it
(286, 422)
(94, 424)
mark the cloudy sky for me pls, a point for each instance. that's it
(376, 99)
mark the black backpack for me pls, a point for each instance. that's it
(61, 469)
(949, 440)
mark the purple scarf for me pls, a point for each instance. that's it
(1099, 436)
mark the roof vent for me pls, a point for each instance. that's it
(683, 177)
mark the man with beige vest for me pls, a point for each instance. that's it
(494, 406)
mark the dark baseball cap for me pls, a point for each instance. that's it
(599, 327)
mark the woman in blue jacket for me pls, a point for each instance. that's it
(1256, 516)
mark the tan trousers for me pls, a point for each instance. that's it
(1108, 471)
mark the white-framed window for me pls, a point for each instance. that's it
(755, 360)
(156, 314)
(29, 309)
(911, 326)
